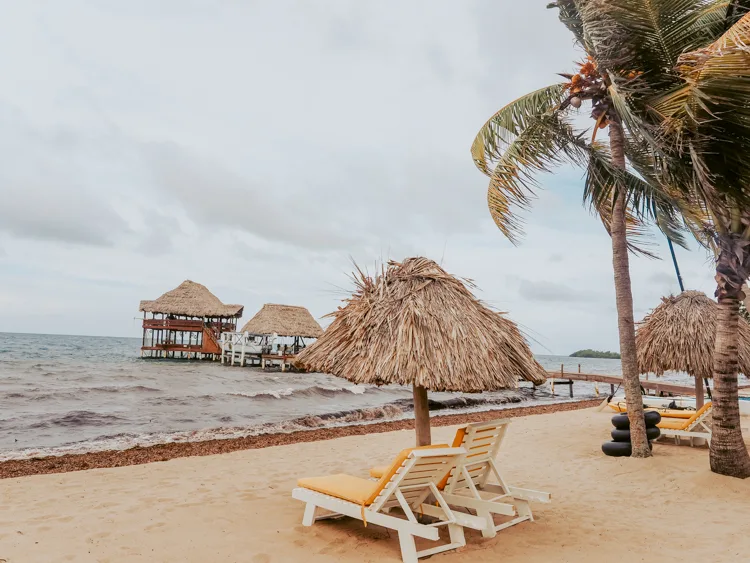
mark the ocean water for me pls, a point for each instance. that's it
(61, 394)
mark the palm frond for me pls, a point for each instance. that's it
(507, 123)
(735, 11)
(570, 16)
(547, 141)
(649, 35)
(647, 201)
(706, 121)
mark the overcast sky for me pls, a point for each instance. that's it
(258, 147)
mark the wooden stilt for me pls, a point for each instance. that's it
(698, 392)
(421, 416)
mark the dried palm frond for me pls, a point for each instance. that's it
(415, 324)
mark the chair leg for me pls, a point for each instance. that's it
(309, 517)
(456, 533)
(523, 509)
(489, 527)
(408, 547)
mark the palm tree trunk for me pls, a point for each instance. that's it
(421, 416)
(728, 453)
(624, 297)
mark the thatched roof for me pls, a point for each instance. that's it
(415, 324)
(284, 320)
(679, 335)
(193, 300)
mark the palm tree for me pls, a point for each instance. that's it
(701, 123)
(679, 75)
(536, 132)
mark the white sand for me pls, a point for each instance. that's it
(237, 507)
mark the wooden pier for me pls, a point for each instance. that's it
(660, 388)
(248, 349)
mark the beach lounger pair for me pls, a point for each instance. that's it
(445, 483)
(697, 426)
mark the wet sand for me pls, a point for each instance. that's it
(164, 452)
(238, 506)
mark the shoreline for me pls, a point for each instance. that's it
(163, 452)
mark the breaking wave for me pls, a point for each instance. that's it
(314, 391)
(78, 418)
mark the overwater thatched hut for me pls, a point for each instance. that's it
(417, 325)
(288, 321)
(680, 334)
(186, 322)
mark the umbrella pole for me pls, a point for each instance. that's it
(698, 392)
(421, 416)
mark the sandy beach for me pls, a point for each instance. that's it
(237, 506)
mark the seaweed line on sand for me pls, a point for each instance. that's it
(165, 452)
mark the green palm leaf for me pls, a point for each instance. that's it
(500, 130)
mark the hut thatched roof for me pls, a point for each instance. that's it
(193, 300)
(415, 324)
(284, 320)
(679, 335)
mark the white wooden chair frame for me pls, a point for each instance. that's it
(692, 432)
(468, 487)
(414, 482)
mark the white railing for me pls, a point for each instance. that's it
(239, 346)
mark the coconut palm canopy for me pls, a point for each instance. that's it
(680, 334)
(192, 300)
(284, 320)
(415, 324)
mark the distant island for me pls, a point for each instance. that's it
(595, 354)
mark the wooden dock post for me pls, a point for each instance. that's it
(242, 354)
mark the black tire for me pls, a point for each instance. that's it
(624, 435)
(621, 421)
(620, 449)
(617, 449)
(652, 419)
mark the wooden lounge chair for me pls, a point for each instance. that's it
(697, 426)
(467, 485)
(412, 478)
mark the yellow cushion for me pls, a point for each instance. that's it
(459, 439)
(356, 489)
(346, 487)
(457, 442)
(379, 471)
(684, 424)
(680, 424)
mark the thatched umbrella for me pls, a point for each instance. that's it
(680, 334)
(284, 320)
(417, 325)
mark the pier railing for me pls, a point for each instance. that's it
(563, 377)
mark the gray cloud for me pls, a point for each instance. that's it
(50, 189)
(551, 292)
(663, 278)
(216, 197)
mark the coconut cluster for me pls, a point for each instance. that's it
(589, 84)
